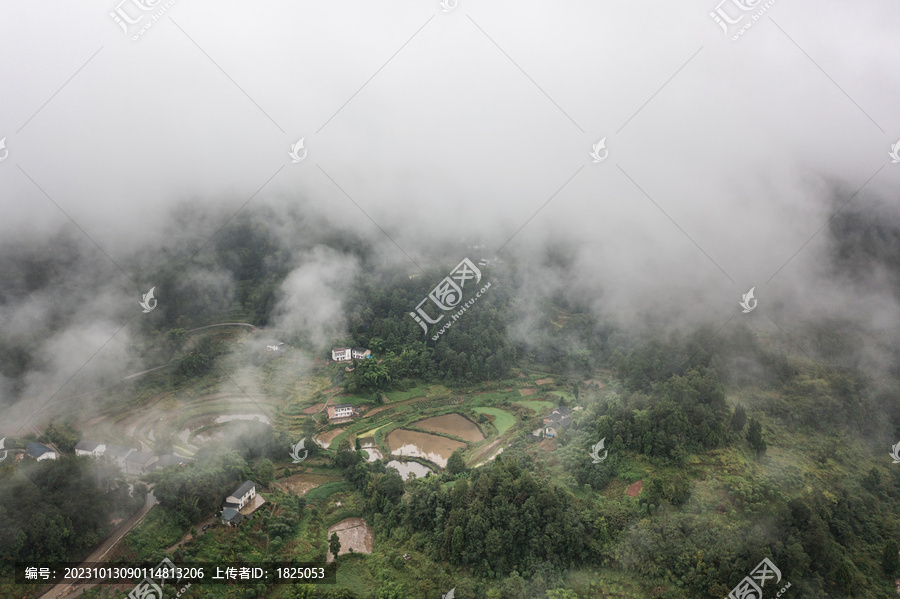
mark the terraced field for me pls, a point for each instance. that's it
(502, 419)
(535, 404)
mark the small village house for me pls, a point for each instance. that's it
(341, 410)
(91, 448)
(345, 354)
(240, 496)
(40, 452)
(275, 346)
(139, 462)
(242, 502)
(341, 354)
(118, 453)
(556, 420)
(231, 517)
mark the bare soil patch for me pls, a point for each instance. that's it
(327, 437)
(547, 445)
(527, 392)
(452, 424)
(543, 381)
(353, 533)
(635, 489)
(314, 408)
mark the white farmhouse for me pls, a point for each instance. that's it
(341, 410)
(340, 354)
(240, 496)
(91, 448)
(345, 354)
(40, 452)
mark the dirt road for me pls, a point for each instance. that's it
(68, 589)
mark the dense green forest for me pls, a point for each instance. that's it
(60, 509)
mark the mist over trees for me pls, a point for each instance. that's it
(59, 509)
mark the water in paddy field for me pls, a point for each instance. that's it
(452, 424)
(422, 445)
(373, 451)
(407, 468)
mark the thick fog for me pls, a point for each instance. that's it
(426, 132)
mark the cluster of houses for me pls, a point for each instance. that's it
(553, 423)
(240, 503)
(128, 459)
(345, 354)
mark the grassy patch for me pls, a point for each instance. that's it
(155, 532)
(534, 404)
(370, 432)
(328, 489)
(502, 419)
(404, 395)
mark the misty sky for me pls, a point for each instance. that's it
(725, 157)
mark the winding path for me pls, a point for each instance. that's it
(65, 589)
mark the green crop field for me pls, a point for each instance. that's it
(502, 419)
(536, 405)
(404, 395)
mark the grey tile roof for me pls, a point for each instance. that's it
(243, 489)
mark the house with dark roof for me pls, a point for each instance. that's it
(168, 460)
(40, 451)
(91, 448)
(231, 517)
(240, 496)
(556, 420)
(139, 462)
(118, 453)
